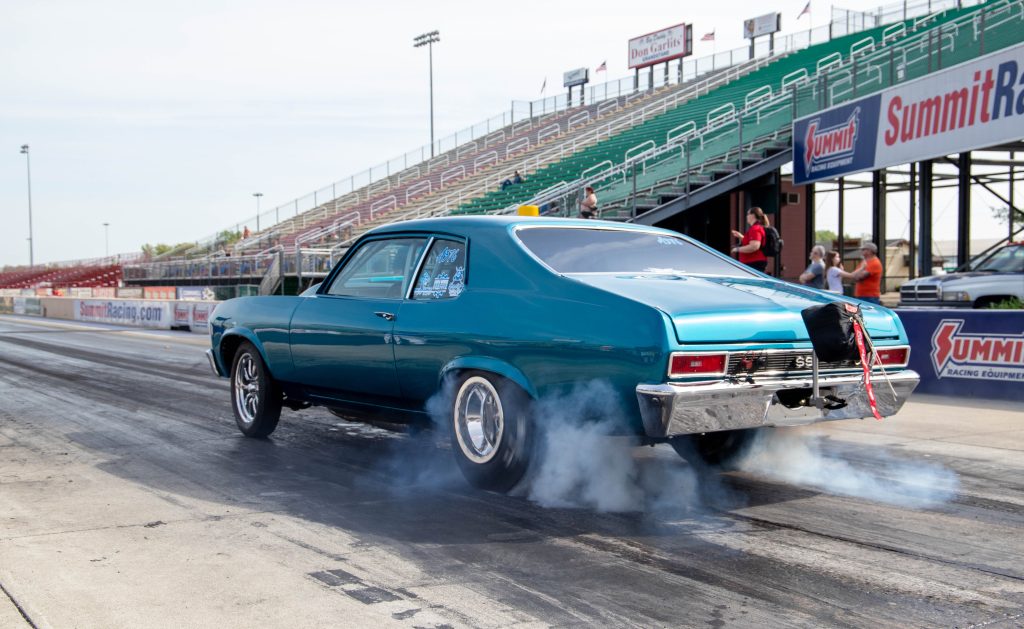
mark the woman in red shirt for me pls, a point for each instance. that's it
(750, 243)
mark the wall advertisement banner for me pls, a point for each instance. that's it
(129, 292)
(182, 314)
(967, 353)
(6, 305)
(667, 44)
(159, 292)
(196, 293)
(200, 321)
(762, 25)
(104, 291)
(145, 314)
(973, 105)
(27, 306)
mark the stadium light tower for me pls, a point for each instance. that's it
(28, 171)
(106, 240)
(257, 195)
(428, 40)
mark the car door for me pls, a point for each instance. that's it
(341, 337)
(432, 328)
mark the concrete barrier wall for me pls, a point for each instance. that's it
(146, 313)
(968, 353)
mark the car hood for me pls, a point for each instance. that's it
(731, 309)
(950, 277)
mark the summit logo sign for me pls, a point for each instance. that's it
(956, 354)
(835, 141)
(834, 145)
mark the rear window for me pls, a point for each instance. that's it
(569, 250)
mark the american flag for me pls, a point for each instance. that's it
(708, 36)
(807, 9)
(602, 67)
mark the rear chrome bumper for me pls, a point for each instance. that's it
(680, 409)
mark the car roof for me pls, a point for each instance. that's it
(493, 223)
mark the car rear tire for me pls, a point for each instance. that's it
(491, 430)
(255, 397)
(715, 448)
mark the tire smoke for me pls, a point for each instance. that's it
(810, 460)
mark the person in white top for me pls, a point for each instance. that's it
(834, 273)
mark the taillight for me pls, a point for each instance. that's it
(688, 365)
(893, 356)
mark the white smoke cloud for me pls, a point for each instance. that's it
(809, 460)
(584, 461)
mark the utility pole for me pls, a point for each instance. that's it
(106, 240)
(428, 40)
(28, 170)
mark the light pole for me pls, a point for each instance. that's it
(28, 171)
(428, 40)
(257, 195)
(106, 240)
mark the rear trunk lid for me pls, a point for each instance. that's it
(731, 309)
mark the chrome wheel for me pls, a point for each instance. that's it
(247, 388)
(479, 419)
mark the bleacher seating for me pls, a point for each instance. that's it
(722, 104)
(63, 277)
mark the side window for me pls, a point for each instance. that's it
(443, 275)
(379, 269)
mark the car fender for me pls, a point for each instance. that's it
(240, 334)
(493, 365)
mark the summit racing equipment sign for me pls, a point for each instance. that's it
(967, 353)
(147, 314)
(972, 105)
(979, 356)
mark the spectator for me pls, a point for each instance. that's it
(751, 242)
(246, 233)
(868, 276)
(516, 179)
(814, 276)
(588, 206)
(835, 273)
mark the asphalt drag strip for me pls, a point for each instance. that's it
(129, 499)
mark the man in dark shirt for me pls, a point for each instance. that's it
(814, 276)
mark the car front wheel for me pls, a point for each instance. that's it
(491, 431)
(255, 396)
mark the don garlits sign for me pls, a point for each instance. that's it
(667, 44)
(973, 105)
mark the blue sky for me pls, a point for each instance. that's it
(163, 118)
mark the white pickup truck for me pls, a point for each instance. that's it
(991, 278)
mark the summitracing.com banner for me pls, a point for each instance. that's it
(969, 106)
(967, 353)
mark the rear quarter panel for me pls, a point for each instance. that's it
(264, 322)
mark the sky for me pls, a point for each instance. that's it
(162, 119)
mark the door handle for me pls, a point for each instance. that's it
(387, 316)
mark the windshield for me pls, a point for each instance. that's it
(1006, 260)
(573, 250)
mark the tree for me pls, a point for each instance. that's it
(1002, 214)
(825, 237)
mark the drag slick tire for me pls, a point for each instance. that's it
(491, 430)
(715, 448)
(255, 397)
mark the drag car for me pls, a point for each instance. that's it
(469, 322)
(988, 280)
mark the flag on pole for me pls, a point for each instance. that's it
(602, 67)
(806, 11)
(708, 36)
(544, 85)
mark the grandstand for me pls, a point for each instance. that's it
(63, 277)
(650, 153)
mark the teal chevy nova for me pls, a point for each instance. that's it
(488, 314)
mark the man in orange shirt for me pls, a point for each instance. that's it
(868, 275)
